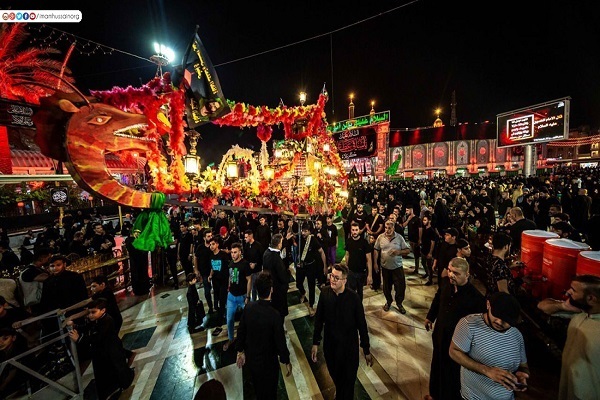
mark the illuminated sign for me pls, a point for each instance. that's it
(356, 143)
(16, 115)
(359, 122)
(536, 124)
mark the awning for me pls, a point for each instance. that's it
(31, 159)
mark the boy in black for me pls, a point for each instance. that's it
(219, 277)
(101, 341)
(196, 311)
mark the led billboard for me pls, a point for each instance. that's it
(540, 123)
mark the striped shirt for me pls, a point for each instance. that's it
(487, 346)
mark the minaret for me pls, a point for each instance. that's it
(372, 112)
(351, 107)
(438, 121)
(453, 112)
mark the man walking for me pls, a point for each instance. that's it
(310, 250)
(253, 253)
(240, 285)
(261, 341)
(219, 277)
(456, 298)
(203, 266)
(273, 263)
(414, 234)
(491, 351)
(343, 315)
(358, 257)
(428, 238)
(389, 249)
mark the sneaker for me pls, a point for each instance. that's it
(401, 309)
(217, 331)
(386, 307)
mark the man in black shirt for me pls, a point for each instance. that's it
(360, 218)
(374, 223)
(310, 251)
(102, 242)
(185, 249)
(261, 342)
(358, 257)
(342, 313)
(414, 234)
(455, 298)
(263, 231)
(253, 253)
(273, 263)
(446, 252)
(219, 277)
(203, 266)
(518, 225)
(332, 241)
(240, 286)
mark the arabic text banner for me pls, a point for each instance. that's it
(357, 143)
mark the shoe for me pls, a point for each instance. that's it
(226, 345)
(429, 283)
(386, 307)
(401, 309)
(211, 311)
(424, 276)
(303, 299)
(130, 358)
(311, 311)
(198, 328)
(217, 331)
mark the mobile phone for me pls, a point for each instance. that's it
(520, 385)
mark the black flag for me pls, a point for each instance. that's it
(204, 98)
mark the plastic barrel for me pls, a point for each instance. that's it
(532, 249)
(588, 263)
(559, 264)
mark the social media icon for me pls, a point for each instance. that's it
(32, 16)
(19, 16)
(11, 16)
(5, 16)
(25, 16)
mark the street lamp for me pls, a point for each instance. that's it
(302, 98)
(232, 169)
(162, 56)
(191, 160)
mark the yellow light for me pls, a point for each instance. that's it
(326, 147)
(308, 180)
(268, 173)
(191, 165)
(278, 153)
(232, 170)
(372, 104)
(317, 165)
(351, 96)
(438, 111)
(344, 193)
(302, 97)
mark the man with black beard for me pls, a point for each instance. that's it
(360, 218)
(203, 266)
(491, 351)
(358, 258)
(580, 376)
(308, 255)
(456, 298)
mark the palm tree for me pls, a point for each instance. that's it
(28, 74)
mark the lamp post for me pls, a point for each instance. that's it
(302, 98)
(191, 160)
(162, 57)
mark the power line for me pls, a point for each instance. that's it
(319, 35)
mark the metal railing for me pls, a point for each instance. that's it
(63, 335)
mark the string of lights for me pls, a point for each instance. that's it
(576, 141)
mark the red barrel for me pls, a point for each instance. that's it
(532, 250)
(560, 264)
(588, 263)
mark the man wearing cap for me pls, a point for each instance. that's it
(580, 372)
(491, 351)
(456, 298)
(446, 251)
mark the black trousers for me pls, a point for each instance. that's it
(444, 379)
(394, 278)
(428, 266)
(414, 248)
(207, 289)
(342, 364)
(356, 281)
(307, 272)
(220, 297)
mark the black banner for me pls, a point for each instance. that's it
(204, 98)
(356, 143)
(16, 115)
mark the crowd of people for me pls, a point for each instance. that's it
(453, 228)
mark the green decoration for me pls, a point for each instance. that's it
(153, 226)
(392, 169)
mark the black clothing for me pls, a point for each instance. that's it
(261, 336)
(13, 315)
(102, 343)
(63, 290)
(220, 280)
(77, 247)
(360, 219)
(447, 308)
(138, 265)
(445, 253)
(253, 253)
(413, 229)
(503, 206)
(98, 240)
(203, 254)
(112, 308)
(9, 261)
(238, 272)
(273, 263)
(357, 254)
(263, 235)
(516, 229)
(194, 303)
(344, 318)
(184, 249)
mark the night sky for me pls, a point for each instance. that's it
(497, 55)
